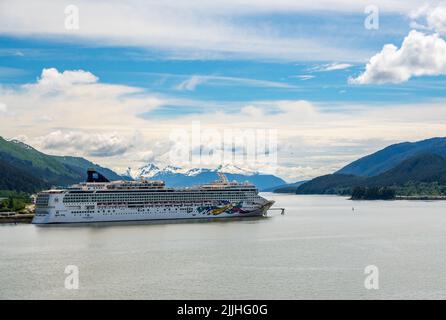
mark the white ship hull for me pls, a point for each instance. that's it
(49, 216)
(99, 200)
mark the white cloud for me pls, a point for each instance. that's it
(101, 122)
(46, 118)
(420, 55)
(191, 83)
(331, 67)
(252, 111)
(436, 19)
(52, 77)
(91, 144)
(190, 29)
(305, 77)
(72, 111)
(314, 141)
(3, 108)
(299, 173)
(430, 17)
(194, 81)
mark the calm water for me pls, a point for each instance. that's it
(317, 250)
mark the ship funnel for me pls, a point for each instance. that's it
(94, 176)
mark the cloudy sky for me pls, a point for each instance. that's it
(333, 80)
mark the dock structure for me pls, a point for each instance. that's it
(282, 210)
(13, 217)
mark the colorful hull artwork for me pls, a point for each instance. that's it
(223, 208)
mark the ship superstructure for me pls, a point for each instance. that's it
(99, 200)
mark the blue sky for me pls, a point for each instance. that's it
(23, 58)
(222, 58)
(148, 69)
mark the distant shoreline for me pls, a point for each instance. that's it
(395, 198)
(425, 198)
(420, 197)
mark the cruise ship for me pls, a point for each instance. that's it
(99, 200)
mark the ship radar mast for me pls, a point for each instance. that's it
(223, 178)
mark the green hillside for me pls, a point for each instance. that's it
(80, 165)
(14, 179)
(331, 184)
(423, 174)
(25, 157)
(425, 168)
(389, 157)
(23, 166)
(286, 188)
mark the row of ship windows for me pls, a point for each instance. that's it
(160, 196)
(145, 210)
(131, 212)
(157, 201)
(138, 209)
(160, 190)
(124, 205)
(82, 199)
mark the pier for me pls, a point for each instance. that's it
(282, 210)
(13, 217)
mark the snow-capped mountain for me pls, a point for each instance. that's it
(196, 171)
(21, 143)
(151, 170)
(180, 177)
(172, 169)
(148, 171)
